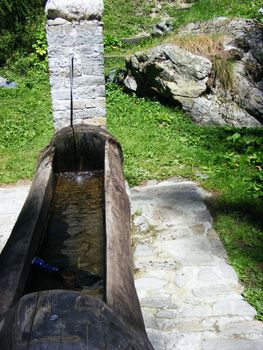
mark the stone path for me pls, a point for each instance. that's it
(12, 198)
(190, 295)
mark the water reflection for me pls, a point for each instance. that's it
(74, 239)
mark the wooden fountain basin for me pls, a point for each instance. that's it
(77, 219)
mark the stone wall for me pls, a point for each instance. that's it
(74, 27)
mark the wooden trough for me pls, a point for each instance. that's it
(77, 220)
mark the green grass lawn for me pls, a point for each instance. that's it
(25, 124)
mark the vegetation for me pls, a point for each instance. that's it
(25, 124)
(126, 18)
(203, 10)
(19, 20)
(158, 141)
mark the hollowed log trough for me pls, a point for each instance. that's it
(77, 217)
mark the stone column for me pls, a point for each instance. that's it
(74, 27)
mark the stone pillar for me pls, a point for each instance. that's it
(74, 27)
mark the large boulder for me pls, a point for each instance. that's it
(168, 71)
(193, 81)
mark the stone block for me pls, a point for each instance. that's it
(149, 283)
(149, 320)
(74, 9)
(156, 302)
(233, 307)
(232, 344)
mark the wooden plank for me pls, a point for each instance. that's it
(121, 294)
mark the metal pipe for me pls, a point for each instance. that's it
(71, 70)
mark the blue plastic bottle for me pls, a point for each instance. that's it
(42, 264)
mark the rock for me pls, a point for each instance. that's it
(233, 308)
(165, 71)
(7, 84)
(136, 39)
(213, 110)
(149, 320)
(196, 83)
(149, 283)
(156, 302)
(252, 330)
(130, 83)
(202, 176)
(57, 21)
(74, 9)
(116, 76)
(231, 344)
(248, 94)
(162, 28)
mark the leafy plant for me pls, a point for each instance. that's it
(40, 45)
(113, 42)
(19, 21)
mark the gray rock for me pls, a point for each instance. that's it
(214, 110)
(130, 83)
(7, 84)
(248, 95)
(172, 73)
(162, 28)
(149, 320)
(74, 9)
(149, 283)
(116, 76)
(136, 39)
(250, 330)
(156, 302)
(232, 344)
(233, 308)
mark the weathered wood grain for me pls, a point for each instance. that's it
(66, 319)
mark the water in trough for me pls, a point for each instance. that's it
(74, 236)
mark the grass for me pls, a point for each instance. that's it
(223, 70)
(25, 124)
(203, 10)
(207, 45)
(161, 142)
(125, 18)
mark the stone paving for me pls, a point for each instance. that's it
(12, 198)
(190, 296)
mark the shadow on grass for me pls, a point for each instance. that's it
(240, 227)
(248, 211)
